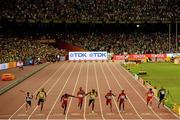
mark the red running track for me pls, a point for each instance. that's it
(67, 77)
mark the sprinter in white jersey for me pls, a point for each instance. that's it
(28, 100)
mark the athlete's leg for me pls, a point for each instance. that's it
(78, 104)
(81, 102)
(62, 105)
(90, 101)
(123, 105)
(111, 106)
(106, 102)
(30, 104)
(26, 107)
(159, 102)
(150, 101)
(38, 102)
(65, 106)
(93, 101)
(163, 101)
(42, 103)
(120, 103)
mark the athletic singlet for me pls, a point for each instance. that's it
(65, 99)
(93, 95)
(41, 95)
(122, 96)
(150, 94)
(162, 92)
(28, 98)
(81, 94)
(109, 96)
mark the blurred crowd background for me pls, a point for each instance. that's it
(27, 49)
(90, 10)
(74, 15)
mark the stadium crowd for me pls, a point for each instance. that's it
(90, 10)
(15, 49)
(24, 49)
(118, 43)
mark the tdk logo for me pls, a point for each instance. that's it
(97, 54)
(80, 55)
(88, 55)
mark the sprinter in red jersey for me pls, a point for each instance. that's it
(80, 96)
(150, 95)
(121, 100)
(108, 97)
(64, 100)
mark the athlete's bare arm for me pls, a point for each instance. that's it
(37, 94)
(71, 96)
(87, 93)
(118, 98)
(62, 98)
(114, 95)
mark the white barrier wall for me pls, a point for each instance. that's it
(3, 66)
(98, 55)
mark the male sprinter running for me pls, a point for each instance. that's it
(92, 95)
(161, 95)
(121, 100)
(64, 100)
(108, 97)
(28, 100)
(80, 96)
(150, 95)
(41, 95)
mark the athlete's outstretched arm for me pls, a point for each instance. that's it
(37, 94)
(62, 98)
(45, 95)
(105, 96)
(87, 93)
(32, 96)
(126, 97)
(96, 93)
(118, 98)
(71, 96)
(114, 95)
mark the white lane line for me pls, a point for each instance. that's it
(115, 78)
(136, 92)
(60, 92)
(37, 90)
(73, 91)
(98, 92)
(111, 89)
(54, 84)
(86, 92)
(146, 89)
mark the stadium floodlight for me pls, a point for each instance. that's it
(137, 25)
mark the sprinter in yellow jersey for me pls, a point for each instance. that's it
(92, 95)
(41, 95)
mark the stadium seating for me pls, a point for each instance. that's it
(95, 11)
